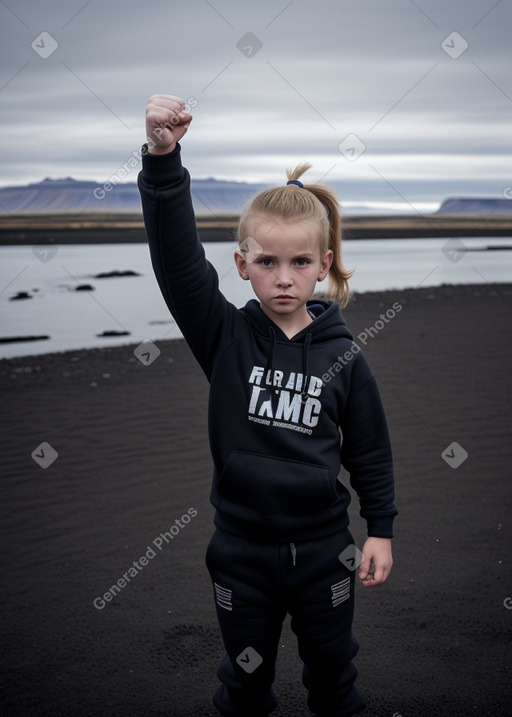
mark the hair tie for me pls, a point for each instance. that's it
(295, 181)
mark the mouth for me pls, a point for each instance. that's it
(284, 296)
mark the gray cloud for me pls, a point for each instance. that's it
(324, 70)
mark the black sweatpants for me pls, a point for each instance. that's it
(255, 585)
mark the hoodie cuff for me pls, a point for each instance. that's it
(380, 527)
(161, 170)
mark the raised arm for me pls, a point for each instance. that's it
(188, 282)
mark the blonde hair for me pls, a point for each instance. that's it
(293, 203)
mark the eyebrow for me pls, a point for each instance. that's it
(265, 255)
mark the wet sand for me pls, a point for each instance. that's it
(132, 462)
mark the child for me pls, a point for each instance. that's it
(292, 399)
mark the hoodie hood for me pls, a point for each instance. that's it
(328, 322)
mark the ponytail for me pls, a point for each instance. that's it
(338, 276)
(297, 201)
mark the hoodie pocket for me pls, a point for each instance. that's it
(253, 485)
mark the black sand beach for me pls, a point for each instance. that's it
(132, 464)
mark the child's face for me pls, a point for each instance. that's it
(283, 261)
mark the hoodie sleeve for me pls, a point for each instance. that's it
(188, 282)
(366, 451)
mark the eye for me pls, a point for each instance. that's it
(302, 262)
(265, 262)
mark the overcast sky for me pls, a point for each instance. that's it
(397, 100)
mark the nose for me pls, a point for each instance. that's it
(283, 276)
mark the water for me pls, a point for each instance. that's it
(74, 319)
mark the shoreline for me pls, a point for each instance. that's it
(431, 294)
(129, 228)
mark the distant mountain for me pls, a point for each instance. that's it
(210, 196)
(476, 205)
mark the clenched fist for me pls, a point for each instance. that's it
(166, 122)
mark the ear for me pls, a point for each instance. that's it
(241, 264)
(325, 265)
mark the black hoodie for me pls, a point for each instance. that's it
(277, 405)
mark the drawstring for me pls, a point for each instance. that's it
(269, 368)
(305, 366)
(293, 551)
